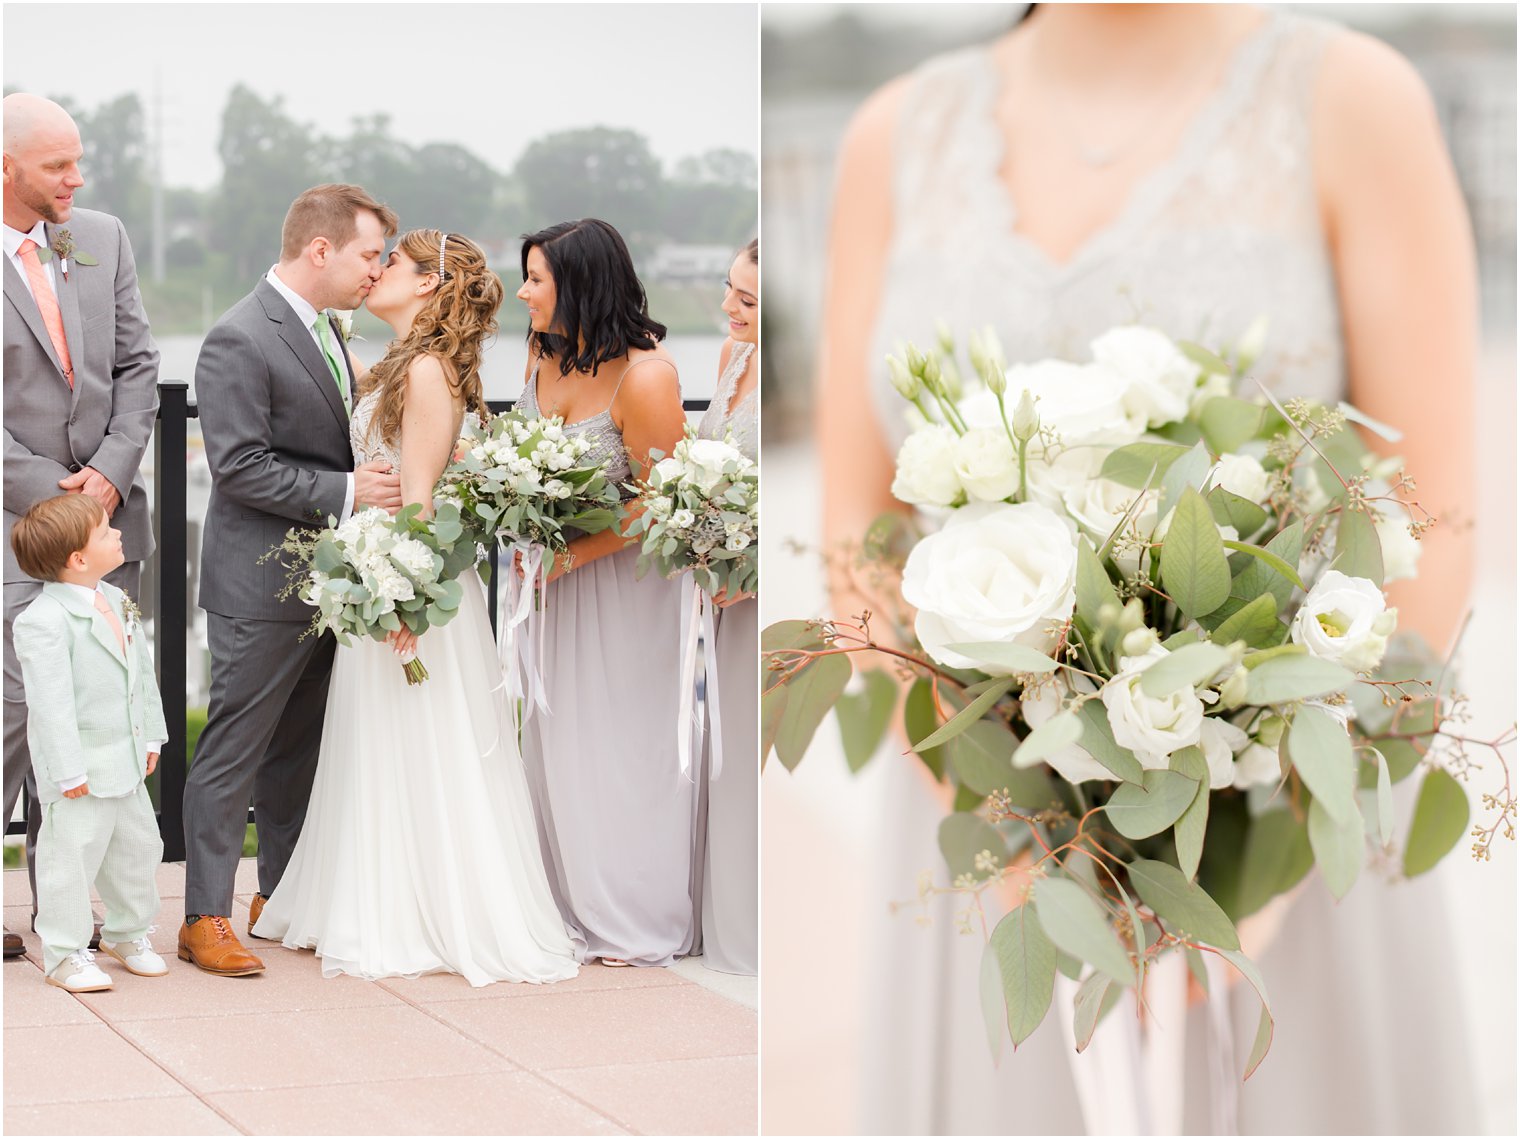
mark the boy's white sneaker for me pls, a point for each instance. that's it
(78, 973)
(137, 956)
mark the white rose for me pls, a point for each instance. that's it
(736, 542)
(926, 468)
(996, 572)
(1345, 620)
(1081, 403)
(669, 470)
(1097, 505)
(1161, 379)
(1401, 549)
(705, 459)
(1243, 475)
(1152, 728)
(1221, 740)
(1072, 763)
(986, 465)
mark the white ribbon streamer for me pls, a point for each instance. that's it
(520, 632)
(701, 630)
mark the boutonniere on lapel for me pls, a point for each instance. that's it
(345, 324)
(129, 609)
(62, 246)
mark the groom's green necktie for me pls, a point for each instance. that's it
(324, 334)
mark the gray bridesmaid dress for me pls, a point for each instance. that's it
(616, 818)
(730, 880)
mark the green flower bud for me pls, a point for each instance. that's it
(946, 340)
(1108, 615)
(1252, 341)
(904, 381)
(1138, 642)
(931, 374)
(1232, 693)
(950, 376)
(1133, 616)
(1270, 730)
(1026, 420)
(915, 360)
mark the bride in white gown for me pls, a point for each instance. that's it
(419, 853)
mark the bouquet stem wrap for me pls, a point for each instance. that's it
(700, 633)
(520, 641)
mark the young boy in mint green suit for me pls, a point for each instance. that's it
(95, 725)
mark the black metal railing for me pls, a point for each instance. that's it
(171, 601)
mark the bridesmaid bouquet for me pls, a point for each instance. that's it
(524, 480)
(374, 575)
(1149, 649)
(701, 513)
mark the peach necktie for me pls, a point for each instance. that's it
(104, 608)
(47, 305)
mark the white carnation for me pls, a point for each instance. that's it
(926, 473)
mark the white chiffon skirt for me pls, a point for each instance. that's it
(420, 853)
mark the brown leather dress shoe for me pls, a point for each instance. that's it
(211, 945)
(14, 946)
(255, 908)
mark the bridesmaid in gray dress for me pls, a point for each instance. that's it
(730, 883)
(616, 817)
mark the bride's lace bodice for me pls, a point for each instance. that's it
(366, 448)
(1224, 231)
(744, 418)
(608, 450)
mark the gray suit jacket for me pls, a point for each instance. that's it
(106, 421)
(276, 434)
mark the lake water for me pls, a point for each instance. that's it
(696, 360)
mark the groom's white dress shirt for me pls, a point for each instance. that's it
(89, 595)
(13, 240)
(308, 316)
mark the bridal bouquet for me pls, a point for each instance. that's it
(525, 480)
(1150, 649)
(701, 513)
(373, 574)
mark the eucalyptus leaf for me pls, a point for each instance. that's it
(990, 991)
(1193, 825)
(1264, 1026)
(1227, 423)
(863, 717)
(1205, 359)
(1095, 998)
(1139, 464)
(962, 837)
(1440, 820)
(1098, 741)
(1255, 623)
(1232, 510)
(1196, 967)
(1075, 923)
(981, 757)
(1140, 811)
(1261, 576)
(1384, 799)
(1338, 846)
(966, 716)
(1322, 756)
(920, 719)
(1185, 907)
(1294, 676)
(1006, 654)
(1277, 856)
(1187, 473)
(1193, 567)
(772, 709)
(1027, 961)
(1358, 550)
(1273, 561)
(1060, 731)
(812, 691)
(1184, 667)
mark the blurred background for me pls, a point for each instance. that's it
(824, 829)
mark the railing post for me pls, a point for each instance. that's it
(169, 521)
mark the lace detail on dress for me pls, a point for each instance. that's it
(608, 450)
(366, 449)
(1226, 230)
(744, 418)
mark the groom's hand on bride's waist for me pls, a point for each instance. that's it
(375, 484)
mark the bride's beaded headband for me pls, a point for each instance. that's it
(442, 239)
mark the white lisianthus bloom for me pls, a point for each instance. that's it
(996, 572)
(1072, 763)
(1243, 475)
(1081, 403)
(986, 464)
(736, 542)
(1401, 549)
(1345, 620)
(1221, 741)
(415, 558)
(926, 468)
(706, 459)
(660, 506)
(682, 519)
(669, 469)
(1256, 764)
(1161, 379)
(1152, 728)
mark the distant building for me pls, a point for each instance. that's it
(676, 262)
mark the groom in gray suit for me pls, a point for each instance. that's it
(81, 379)
(274, 388)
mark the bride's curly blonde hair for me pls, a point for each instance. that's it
(453, 326)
